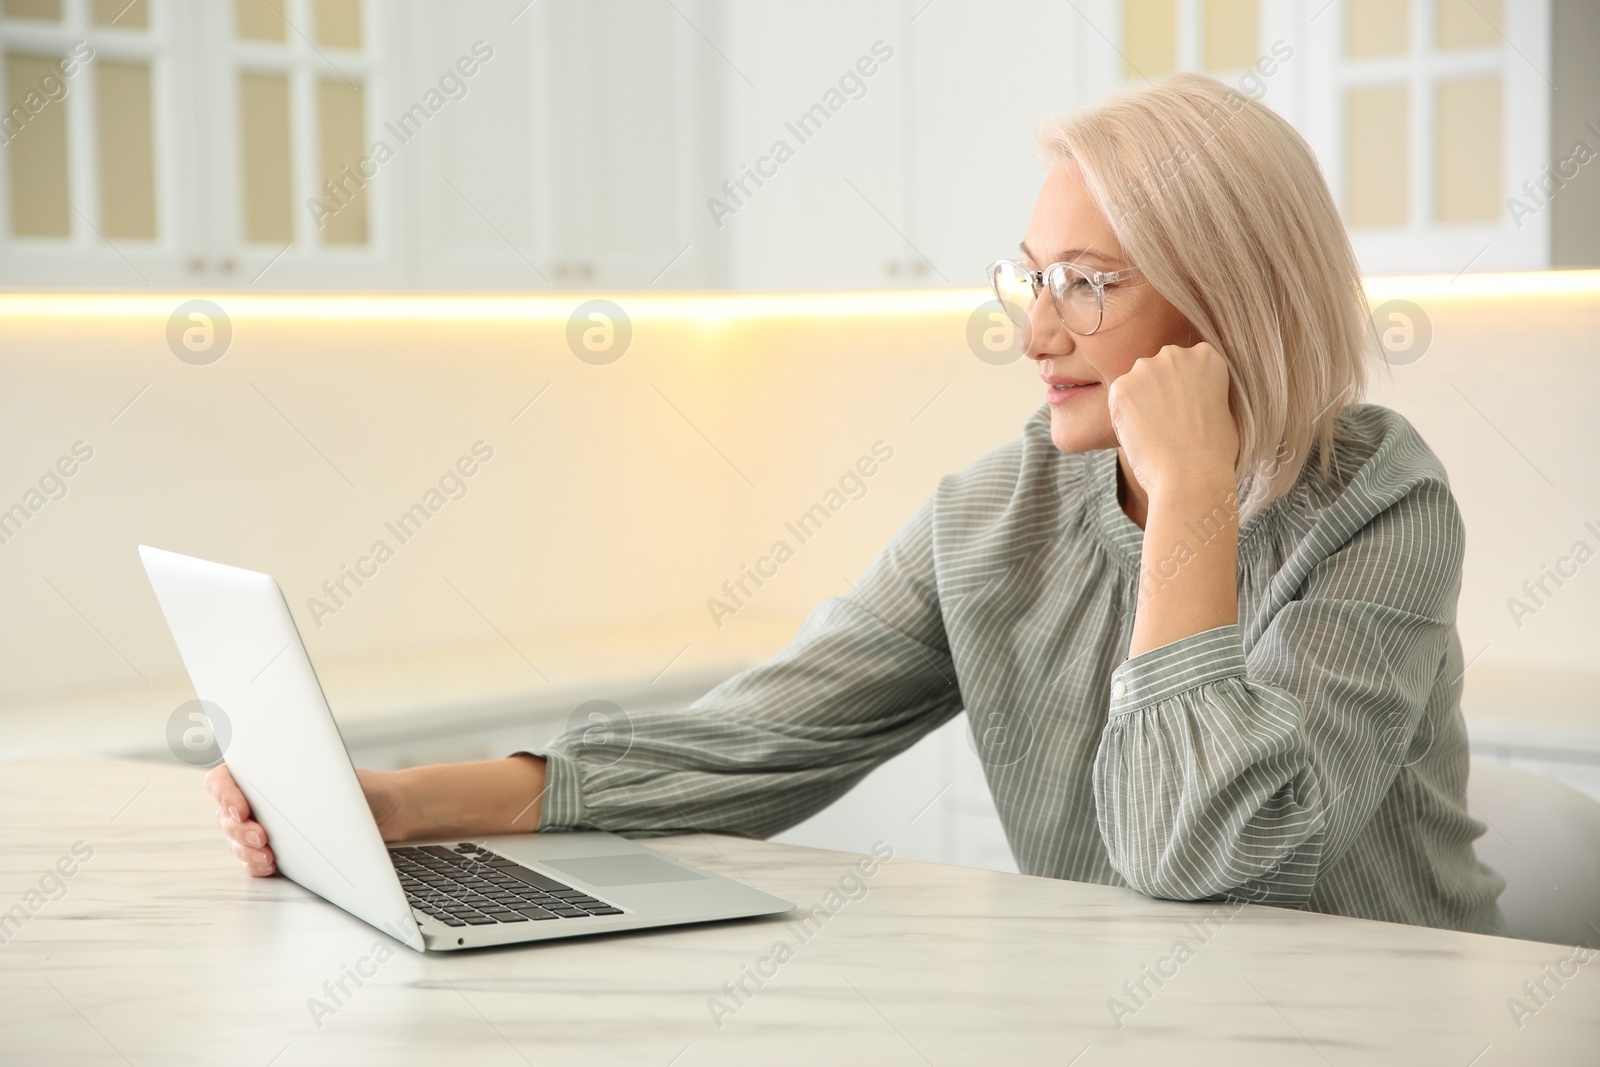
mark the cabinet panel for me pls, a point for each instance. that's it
(623, 130)
(292, 146)
(932, 172)
(704, 143)
(472, 184)
(815, 193)
(91, 176)
(980, 77)
(575, 159)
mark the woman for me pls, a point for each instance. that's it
(1202, 614)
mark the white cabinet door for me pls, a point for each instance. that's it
(1427, 116)
(473, 216)
(1428, 120)
(95, 186)
(199, 145)
(576, 160)
(814, 196)
(979, 76)
(624, 123)
(295, 143)
(931, 172)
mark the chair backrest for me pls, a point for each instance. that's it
(1544, 840)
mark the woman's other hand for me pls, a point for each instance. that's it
(1173, 420)
(248, 838)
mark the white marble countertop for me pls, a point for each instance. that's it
(161, 951)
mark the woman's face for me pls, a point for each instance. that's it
(1077, 370)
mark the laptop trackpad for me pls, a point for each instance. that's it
(622, 870)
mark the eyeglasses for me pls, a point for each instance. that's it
(1079, 294)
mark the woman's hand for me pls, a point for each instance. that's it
(1176, 431)
(248, 838)
(1173, 420)
(442, 800)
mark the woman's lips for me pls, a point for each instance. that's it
(1063, 390)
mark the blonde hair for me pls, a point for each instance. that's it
(1222, 206)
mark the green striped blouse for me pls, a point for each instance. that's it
(1313, 755)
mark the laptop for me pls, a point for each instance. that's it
(245, 657)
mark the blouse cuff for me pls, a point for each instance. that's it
(1187, 663)
(562, 808)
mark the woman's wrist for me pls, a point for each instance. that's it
(465, 800)
(1189, 563)
(1195, 491)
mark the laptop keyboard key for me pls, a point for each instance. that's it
(439, 852)
(533, 878)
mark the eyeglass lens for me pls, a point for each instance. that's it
(1078, 302)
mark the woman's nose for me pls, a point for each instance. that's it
(1043, 336)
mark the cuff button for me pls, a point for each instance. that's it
(1119, 689)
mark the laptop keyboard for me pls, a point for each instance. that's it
(472, 886)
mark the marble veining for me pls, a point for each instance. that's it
(161, 951)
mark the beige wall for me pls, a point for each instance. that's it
(617, 504)
(625, 496)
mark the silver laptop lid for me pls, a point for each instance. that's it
(243, 653)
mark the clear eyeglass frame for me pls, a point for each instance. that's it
(1078, 293)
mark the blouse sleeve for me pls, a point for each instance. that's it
(1242, 772)
(868, 674)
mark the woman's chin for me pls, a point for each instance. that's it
(1074, 432)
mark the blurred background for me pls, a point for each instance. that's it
(270, 267)
(706, 144)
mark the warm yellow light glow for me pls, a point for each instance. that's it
(707, 309)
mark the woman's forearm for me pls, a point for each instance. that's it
(1188, 570)
(467, 800)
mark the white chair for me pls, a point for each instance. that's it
(1544, 840)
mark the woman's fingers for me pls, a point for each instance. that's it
(258, 861)
(226, 792)
(246, 838)
(246, 832)
(1172, 416)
